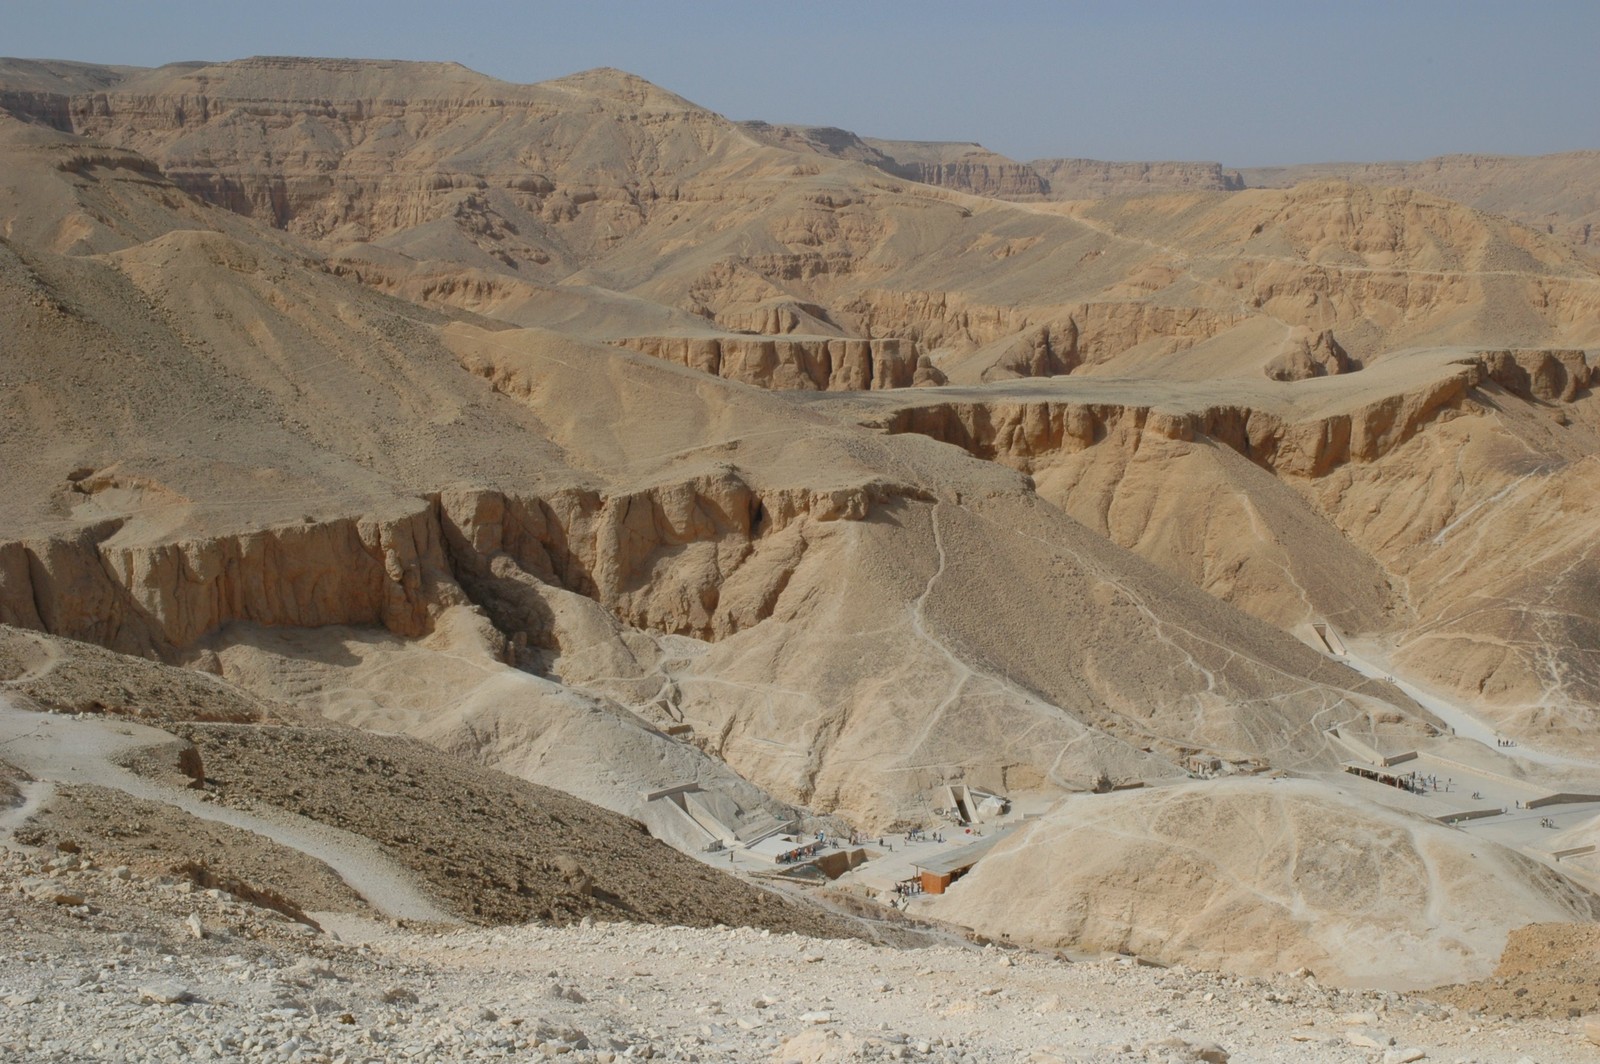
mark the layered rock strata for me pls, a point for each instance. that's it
(810, 364)
(1065, 336)
(1025, 435)
(687, 558)
(1070, 179)
(969, 168)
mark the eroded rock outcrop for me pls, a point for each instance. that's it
(1552, 376)
(970, 168)
(153, 599)
(1026, 435)
(1043, 351)
(1319, 356)
(1092, 179)
(1078, 334)
(803, 363)
(704, 557)
(777, 317)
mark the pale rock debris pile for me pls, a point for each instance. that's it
(135, 968)
(1263, 875)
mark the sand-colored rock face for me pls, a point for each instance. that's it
(975, 170)
(1553, 193)
(1067, 338)
(578, 431)
(814, 364)
(1028, 436)
(174, 107)
(1073, 179)
(964, 167)
(1550, 376)
(1259, 876)
(1369, 479)
(1320, 356)
(606, 181)
(159, 598)
(702, 558)
(658, 558)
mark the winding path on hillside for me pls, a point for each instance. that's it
(56, 749)
(1465, 724)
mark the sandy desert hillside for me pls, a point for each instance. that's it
(972, 168)
(234, 785)
(576, 431)
(565, 204)
(1556, 194)
(1246, 875)
(279, 467)
(1078, 179)
(1383, 501)
(1552, 193)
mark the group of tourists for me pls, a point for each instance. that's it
(1421, 784)
(800, 853)
(1415, 782)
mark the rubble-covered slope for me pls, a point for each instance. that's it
(298, 451)
(1255, 875)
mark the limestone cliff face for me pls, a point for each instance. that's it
(1552, 376)
(154, 599)
(776, 318)
(808, 364)
(704, 557)
(320, 147)
(980, 177)
(1092, 179)
(50, 108)
(1322, 356)
(1046, 340)
(1026, 436)
(974, 169)
(1556, 194)
(969, 168)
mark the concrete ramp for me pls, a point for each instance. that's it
(668, 822)
(712, 815)
(693, 820)
(761, 826)
(1361, 749)
(1329, 638)
(1462, 815)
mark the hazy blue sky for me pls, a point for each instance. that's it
(1246, 83)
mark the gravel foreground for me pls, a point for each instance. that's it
(110, 964)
